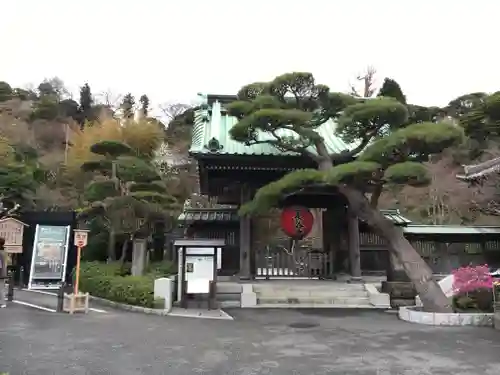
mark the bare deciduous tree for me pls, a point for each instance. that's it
(110, 99)
(446, 200)
(172, 110)
(368, 83)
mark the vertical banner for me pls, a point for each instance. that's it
(49, 258)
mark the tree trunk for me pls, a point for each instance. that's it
(111, 246)
(377, 192)
(123, 255)
(431, 295)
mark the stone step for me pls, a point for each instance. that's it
(312, 293)
(353, 301)
(314, 306)
(258, 288)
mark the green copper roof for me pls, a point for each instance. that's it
(211, 135)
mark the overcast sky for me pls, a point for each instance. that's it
(171, 50)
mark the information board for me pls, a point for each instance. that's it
(199, 272)
(12, 231)
(208, 251)
(50, 253)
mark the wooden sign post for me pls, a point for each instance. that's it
(78, 301)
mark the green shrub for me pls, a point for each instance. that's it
(160, 269)
(477, 300)
(112, 281)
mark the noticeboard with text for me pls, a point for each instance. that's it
(12, 230)
(50, 252)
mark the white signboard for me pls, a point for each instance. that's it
(199, 272)
(208, 251)
(199, 269)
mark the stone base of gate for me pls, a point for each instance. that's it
(314, 294)
(248, 296)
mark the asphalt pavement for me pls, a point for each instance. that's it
(278, 342)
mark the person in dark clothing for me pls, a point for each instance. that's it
(3, 271)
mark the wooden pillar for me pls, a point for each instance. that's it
(353, 243)
(245, 236)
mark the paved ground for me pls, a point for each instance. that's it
(42, 299)
(256, 342)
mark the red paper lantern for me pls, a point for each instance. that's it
(297, 222)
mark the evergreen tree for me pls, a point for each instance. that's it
(86, 102)
(127, 193)
(391, 89)
(390, 152)
(5, 91)
(127, 106)
(144, 104)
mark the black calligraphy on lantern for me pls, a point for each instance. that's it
(299, 222)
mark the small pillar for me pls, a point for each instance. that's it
(163, 289)
(245, 236)
(354, 249)
(138, 257)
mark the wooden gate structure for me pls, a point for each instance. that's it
(233, 172)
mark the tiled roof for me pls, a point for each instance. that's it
(209, 215)
(231, 215)
(472, 172)
(212, 123)
(451, 229)
(396, 217)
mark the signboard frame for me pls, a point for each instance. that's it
(189, 251)
(48, 282)
(11, 246)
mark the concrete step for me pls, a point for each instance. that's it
(314, 306)
(312, 293)
(352, 301)
(302, 286)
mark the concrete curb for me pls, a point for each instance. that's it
(124, 306)
(377, 299)
(161, 312)
(412, 314)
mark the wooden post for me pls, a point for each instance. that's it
(353, 243)
(77, 301)
(245, 236)
(77, 273)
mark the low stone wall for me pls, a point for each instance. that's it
(496, 317)
(414, 314)
(496, 321)
(401, 293)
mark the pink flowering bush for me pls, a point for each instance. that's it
(473, 287)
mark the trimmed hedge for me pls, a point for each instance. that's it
(113, 281)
